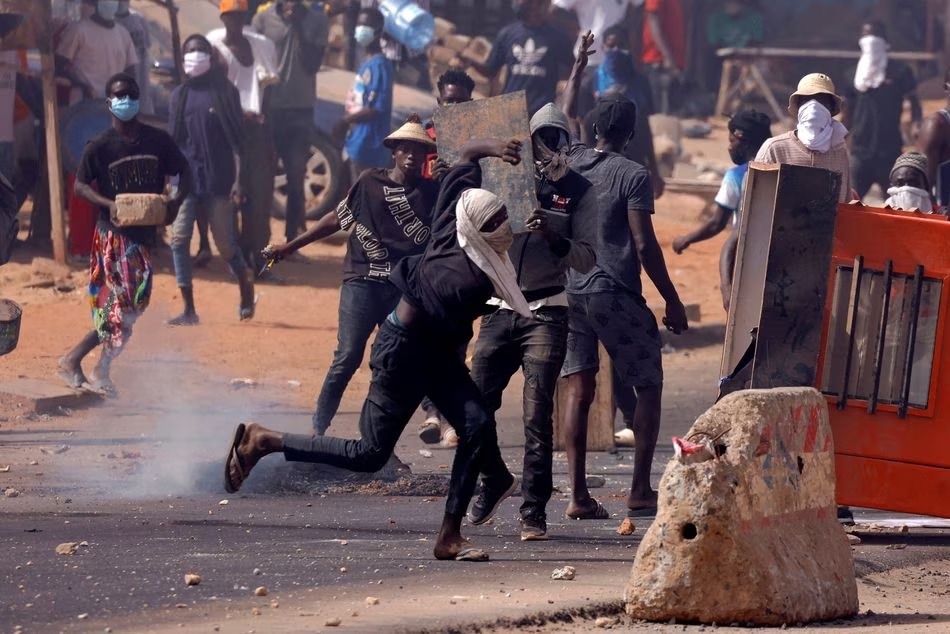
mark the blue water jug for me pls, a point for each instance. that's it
(410, 24)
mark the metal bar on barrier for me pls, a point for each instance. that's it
(852, 324)
(911, 337)
(881, 335)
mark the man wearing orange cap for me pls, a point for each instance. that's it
(251, 61)
(390, 210)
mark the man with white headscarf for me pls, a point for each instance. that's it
(873, 105)
(416, 351)
(818, 140)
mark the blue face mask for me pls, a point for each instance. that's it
(124, 109)
(364, 34)
(107, 9)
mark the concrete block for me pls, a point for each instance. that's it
(457, 43)
(478, 49)
(693, 313)
(443, 28)
(750, 536)
(41, 397)
(139, 210)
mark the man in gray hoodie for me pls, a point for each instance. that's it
(560, 236)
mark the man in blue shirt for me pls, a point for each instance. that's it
(748, 130)
(369, 104)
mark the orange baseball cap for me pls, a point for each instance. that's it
(230, 6)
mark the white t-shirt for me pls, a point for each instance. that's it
(596, 16)
(249, 80)
(98, 52)
(8, 67)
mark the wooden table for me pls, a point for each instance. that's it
(742, 75)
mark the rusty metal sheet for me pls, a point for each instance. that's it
(501, 117)
(33, 31)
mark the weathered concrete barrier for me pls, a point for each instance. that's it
(750, 535)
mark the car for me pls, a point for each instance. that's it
(328, 178)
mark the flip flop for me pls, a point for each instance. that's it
(472, 554)
(598, 512)
(643, 511)
(230, 486)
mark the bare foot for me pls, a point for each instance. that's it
(71, 372)
(459, 549)
(637, 501)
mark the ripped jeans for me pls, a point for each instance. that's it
(507, 341)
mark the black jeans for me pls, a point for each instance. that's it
(407, 364)
(293, 131)
(507, 341)
(364, 304)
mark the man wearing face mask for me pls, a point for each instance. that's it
(370, 102)
(300, 35)
(560, 235)
(129, 158)
(251, 61)
(135, 24)
(910, 187)
(414, 355)
(818, 140)
(390, 213)
(873, 105)
(94, 49)
(748, 130)
(206, 121)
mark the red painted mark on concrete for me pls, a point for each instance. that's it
(811, 433)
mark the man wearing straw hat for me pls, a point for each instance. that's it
(817, 140)
(390, 211)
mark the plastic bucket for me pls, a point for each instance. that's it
(10, 314)
(410, 24)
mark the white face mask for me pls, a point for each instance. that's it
(909, 198)
(501, 239)
(196, 63)
(815, 126)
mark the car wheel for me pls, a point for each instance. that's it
(325, 180)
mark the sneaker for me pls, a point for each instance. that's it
(486, 504)
(624, 438)
(845, 516)
(534, 529)
(429, 431)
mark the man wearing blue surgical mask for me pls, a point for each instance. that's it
(94, 49)
(369, 104)
(128, 158)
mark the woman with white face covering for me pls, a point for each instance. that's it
(416, 352)
(818, 140)
(206, 121)
(910, 188)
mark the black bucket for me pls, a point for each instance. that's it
(10, 314)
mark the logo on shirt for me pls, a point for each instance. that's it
(402, 213)
(527, 57)
(559, 203)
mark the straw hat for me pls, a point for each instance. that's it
(411, 130)
(811, 85)
(228, 6)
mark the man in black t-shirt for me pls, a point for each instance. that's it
(390, 212)
(129, 158)
(534, 52)
(873, 105)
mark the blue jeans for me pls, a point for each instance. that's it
(507, 341)
(364, 305)
(222, 217)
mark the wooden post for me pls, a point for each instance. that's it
(57, 206)
(600, 422)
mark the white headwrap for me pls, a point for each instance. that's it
(872, 67)
(817, 130)
(489, 251)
